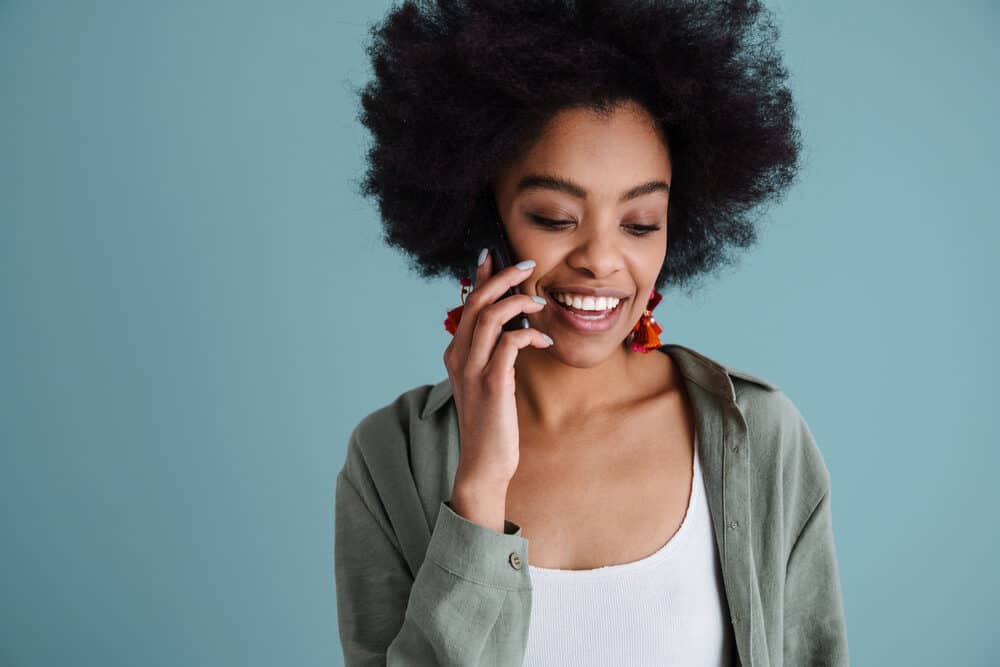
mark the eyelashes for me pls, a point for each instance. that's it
(555, 225)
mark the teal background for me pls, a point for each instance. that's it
(196, 310)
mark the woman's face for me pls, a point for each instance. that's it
(606, 181)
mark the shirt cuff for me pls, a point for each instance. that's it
(477, 553)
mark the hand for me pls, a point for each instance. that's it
(481, 371)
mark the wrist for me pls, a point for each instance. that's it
(485, 504)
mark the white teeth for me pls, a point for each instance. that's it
(581, 302)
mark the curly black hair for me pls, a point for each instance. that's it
(461, 88)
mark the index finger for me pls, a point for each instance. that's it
(488, 288)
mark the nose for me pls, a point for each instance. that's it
(597, 252)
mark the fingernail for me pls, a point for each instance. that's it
(482, 256)
(546, 337)
(538, 299)
(526, 264)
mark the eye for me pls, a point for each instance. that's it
(548, 223)
(642, 230)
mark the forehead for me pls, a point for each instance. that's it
(604, 152)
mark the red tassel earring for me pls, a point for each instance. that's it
(644, 335)
(455, 314)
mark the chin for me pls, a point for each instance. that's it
(585, 354)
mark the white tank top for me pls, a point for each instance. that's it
(668, 608)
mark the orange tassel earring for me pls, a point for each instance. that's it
(455, 314)
(644, 335)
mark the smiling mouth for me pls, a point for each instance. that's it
(589, 314)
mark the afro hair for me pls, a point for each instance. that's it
(461, 89)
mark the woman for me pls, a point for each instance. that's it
(677, 509)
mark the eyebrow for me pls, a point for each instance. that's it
(548, 182)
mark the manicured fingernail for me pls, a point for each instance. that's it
(546, 337)
(538, 299)
(526, 264)
(482, 256)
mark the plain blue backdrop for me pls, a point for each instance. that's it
(196, 310)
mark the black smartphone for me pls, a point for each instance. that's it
(491, 235)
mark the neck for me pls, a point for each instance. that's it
(554, 393)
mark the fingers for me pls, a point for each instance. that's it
(510, 344)
(475, 343)
(490, 325)
(467, 324)
(488, 289)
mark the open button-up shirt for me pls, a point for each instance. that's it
(418, 584)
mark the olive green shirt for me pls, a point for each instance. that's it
(418, 584)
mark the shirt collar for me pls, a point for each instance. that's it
(696, 367)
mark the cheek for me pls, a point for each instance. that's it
(648, 260)
(657, 257)
(541, 246)
(523, 244)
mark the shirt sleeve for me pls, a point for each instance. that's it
(815, 631)
(468, 604)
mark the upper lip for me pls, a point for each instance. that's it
(589, 291)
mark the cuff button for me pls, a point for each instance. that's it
(515, 560)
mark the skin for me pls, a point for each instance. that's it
(605, 434)
(590, 373)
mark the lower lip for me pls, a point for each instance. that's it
(588, 325)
